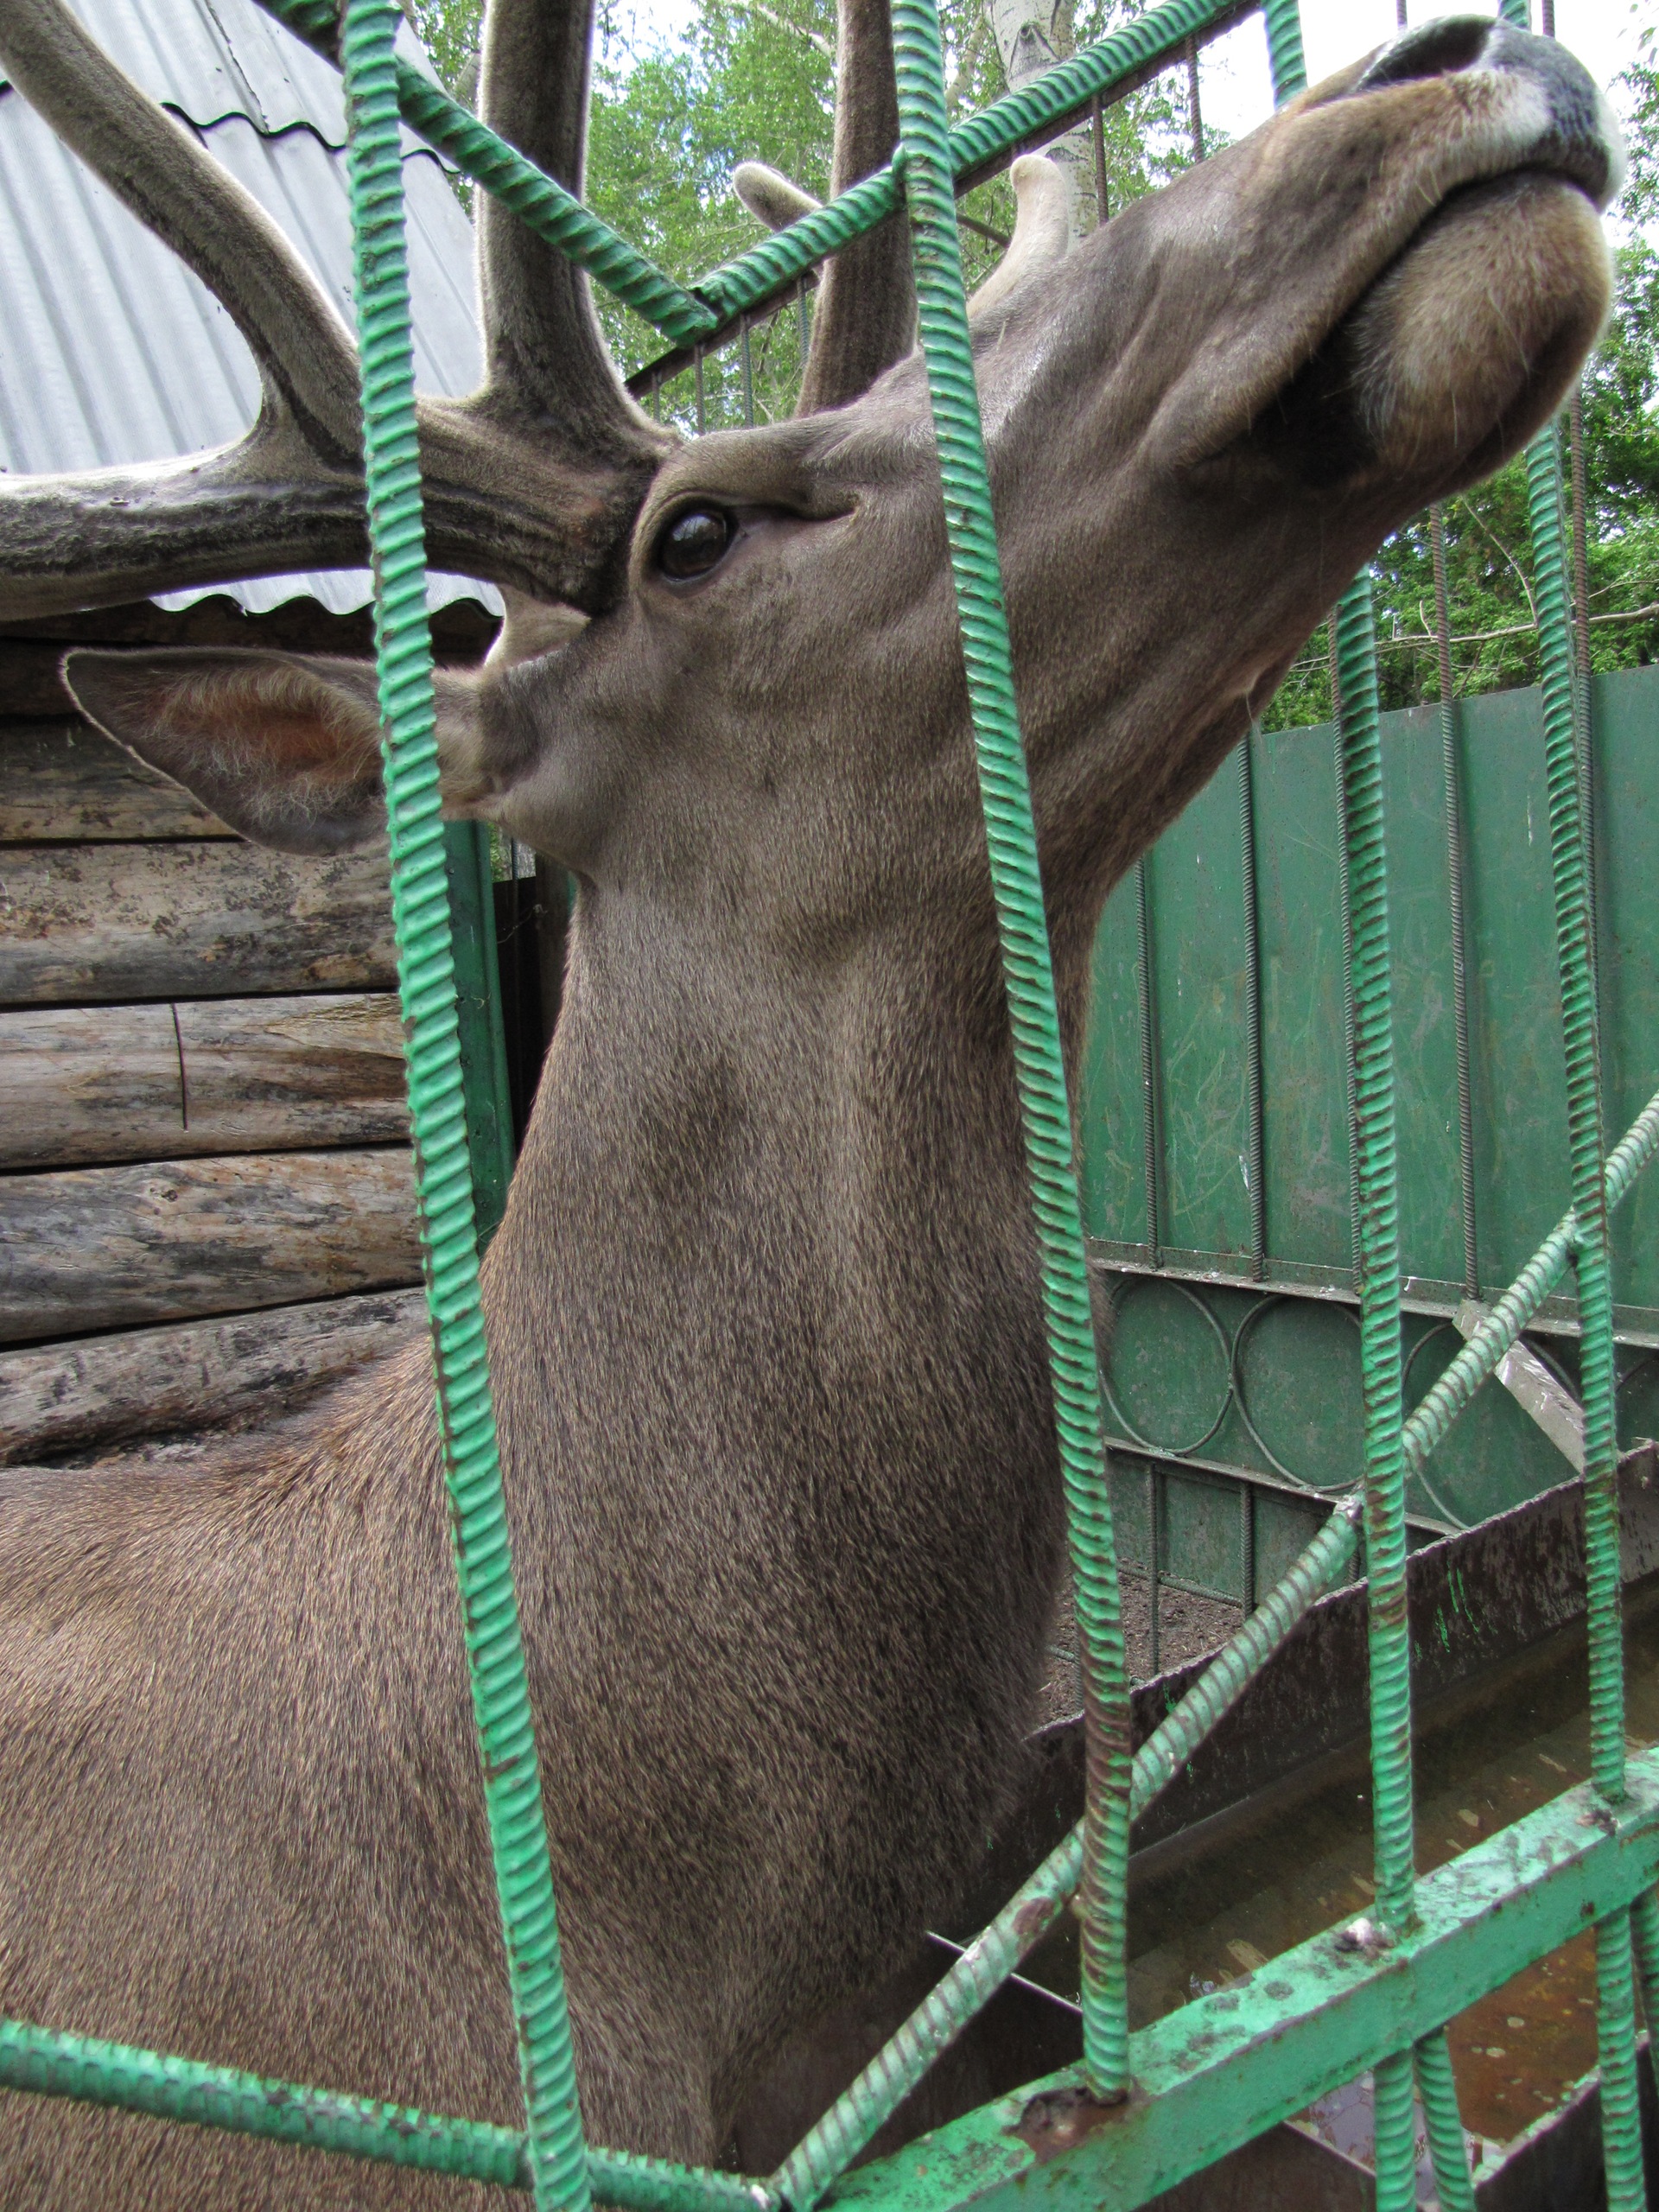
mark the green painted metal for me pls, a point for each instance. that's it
(1016, 885)
(1032, 1912)
(1621, 2119)
(538, 199)
(1448, 2150)
(1215, 2073)
(53, 2064)
(511, 1775)
(479, 1021)
(767, 269)
(1295, 1385)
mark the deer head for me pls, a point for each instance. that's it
(734, 661)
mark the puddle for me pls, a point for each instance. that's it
(1211, 1906)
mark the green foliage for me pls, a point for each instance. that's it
(1489, 552)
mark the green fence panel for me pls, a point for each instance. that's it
(1211, 1375)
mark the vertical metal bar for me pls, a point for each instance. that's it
(1377, 1256)
(1578, 504)
(1194, 113)
(1254, 1109)
(1447, 2149)
(1039, 1067)
(1247, 1547)
(1453, 781)
(1345, 909)
(487, 1097)
(1145, 988)
(748, 375)
(1102, 197)
(495, 1652)
(806, 326)
(697, 367)
(1621, 2132)
(1377, 1270)
(1154, 1638)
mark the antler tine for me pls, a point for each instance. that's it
(866, 316)
(522, 487)
(547, 359)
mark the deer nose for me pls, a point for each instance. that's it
(1575, 133)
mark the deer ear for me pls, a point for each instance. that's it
(283, 748)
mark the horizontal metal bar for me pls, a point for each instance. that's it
(57, 2065)
(761, 279)
(540, 201)
(963, 1993)
(1428, 1295)
(1215, 2074)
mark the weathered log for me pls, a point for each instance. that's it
(63, 779)
(164, 1082)
(109, 1248)
(56, 1398)
(189, 920)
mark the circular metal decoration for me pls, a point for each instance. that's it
(1167, 1341)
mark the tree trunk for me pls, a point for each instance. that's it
(1030, 36)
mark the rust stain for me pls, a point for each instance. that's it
(1060, 2118)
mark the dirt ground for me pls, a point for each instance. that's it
(1186, 1626)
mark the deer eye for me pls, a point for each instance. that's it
(695, 542)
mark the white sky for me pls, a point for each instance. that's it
(1234, 86)
(1236, 93)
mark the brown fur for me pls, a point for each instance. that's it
(763, 1310)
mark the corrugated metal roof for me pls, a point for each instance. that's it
(111, 351)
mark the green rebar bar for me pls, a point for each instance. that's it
(777, 261)
(51, 2064)
(964, 1992)
(1376, 1268)
(539, 200)
(1448, 2150)
(1645, 1934)
(1620, 2107)
(443, 1178)
(1011, 838)
(1376, 1264)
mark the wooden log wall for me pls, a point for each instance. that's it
(205, 1197)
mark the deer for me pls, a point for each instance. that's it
(764, 1310)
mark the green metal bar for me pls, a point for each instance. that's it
(1448, 2150)
(50, 2064)
(1597, 1373)
(437, 1108)
(482, 1027)
(1215, 2074)
(1620, 2102)
(1031, 1913)
(777, 261)
(1011, 838)
(538, 199)
(1644, 1931)
(1376, 1270)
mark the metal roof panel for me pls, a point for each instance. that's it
(111, 352)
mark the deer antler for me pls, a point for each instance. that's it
(533, 482)
(866, 316)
